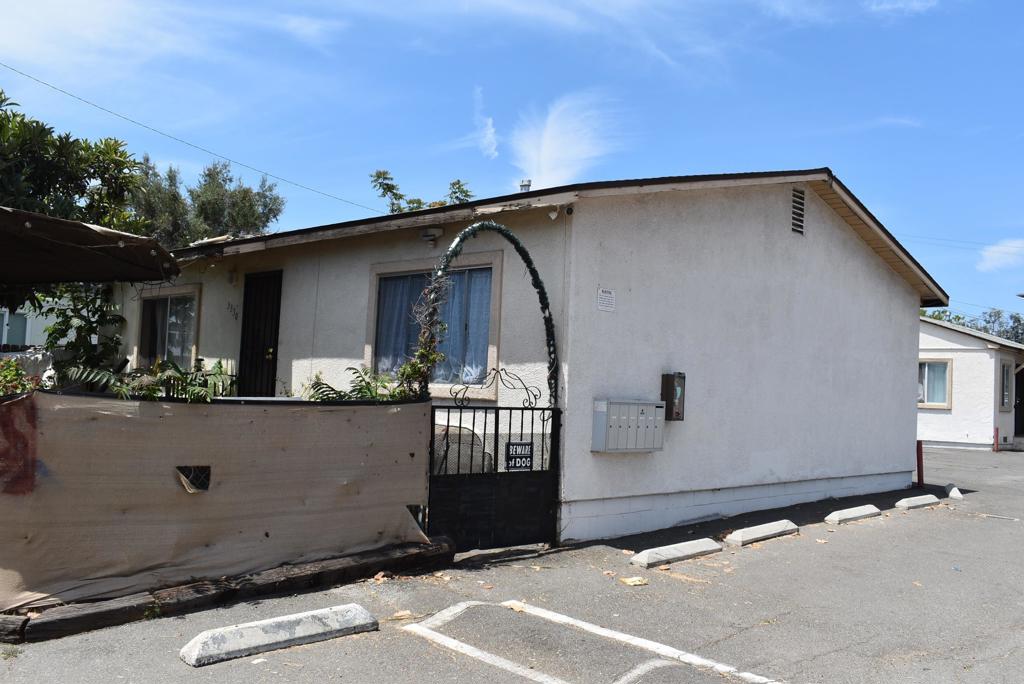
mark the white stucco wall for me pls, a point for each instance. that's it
(974, 411)
(326, 288)
(799, 353)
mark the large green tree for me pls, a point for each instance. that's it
(160, 201)
(60, 175)
(223, 205)
(218, 204)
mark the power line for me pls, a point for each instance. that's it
(186, 142)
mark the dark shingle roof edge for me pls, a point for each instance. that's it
(460, 212)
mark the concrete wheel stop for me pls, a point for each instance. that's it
(917, 502)
(749, 535)
(238, 641)
(848, 515)
(675, 552)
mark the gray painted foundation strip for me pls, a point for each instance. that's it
(238, 641)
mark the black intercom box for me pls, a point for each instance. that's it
(673, 393)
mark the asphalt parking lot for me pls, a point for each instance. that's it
(930, 595)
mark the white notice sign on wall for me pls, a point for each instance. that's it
(605, 299)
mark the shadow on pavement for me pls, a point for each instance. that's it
(800, 514)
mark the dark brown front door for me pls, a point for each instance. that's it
(261, 318)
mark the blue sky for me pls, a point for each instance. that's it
(915, 104)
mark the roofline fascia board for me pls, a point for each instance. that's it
(855, 205)
(999, 342)
(641, 189)
(456, 215)
(532, 199)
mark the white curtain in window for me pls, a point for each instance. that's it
(936, 388)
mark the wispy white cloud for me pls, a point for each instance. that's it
(556, 147)
(316, 32)
(883, 122)
(1003, 254)
(798, 10)
(117, 36)
(899, 6)
(485, 135)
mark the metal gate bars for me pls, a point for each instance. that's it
(494, 475)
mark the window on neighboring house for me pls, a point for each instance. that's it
(933, 384)
(466, 314)
(168, 329)
(15, 328)
(1006, 387)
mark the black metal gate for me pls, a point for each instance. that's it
(494, 475)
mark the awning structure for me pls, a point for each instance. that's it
(36, 249)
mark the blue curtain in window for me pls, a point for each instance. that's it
(397, 331)
(466, 314)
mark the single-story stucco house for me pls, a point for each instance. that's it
(789, 307)
(966, 388)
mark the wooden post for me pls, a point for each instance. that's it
(920, 463)
(995, 446)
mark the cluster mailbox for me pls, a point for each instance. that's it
(625, 425)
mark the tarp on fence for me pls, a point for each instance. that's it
(93, 503)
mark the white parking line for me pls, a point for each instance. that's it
(642, 669)
(427, 629)
(652, 646)
(483, 656)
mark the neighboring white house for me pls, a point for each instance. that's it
(966, 387)
(792, 311)
(21, 328)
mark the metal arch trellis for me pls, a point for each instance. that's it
(435, 295)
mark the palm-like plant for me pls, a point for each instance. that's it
(165, 379)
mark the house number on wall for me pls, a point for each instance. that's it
(519, 456)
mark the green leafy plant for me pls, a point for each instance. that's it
(85, 329)
(364, 386)
(14, 380)
(163, 381)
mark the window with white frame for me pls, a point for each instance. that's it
(168, 328)
(14, 330)
(933, 384)
(1006, 387)
(466, 315)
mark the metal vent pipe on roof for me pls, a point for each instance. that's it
(524, 185)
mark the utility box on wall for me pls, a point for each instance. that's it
(673, 393)
(628, 426)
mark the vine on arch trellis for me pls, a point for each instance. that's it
(436, 292)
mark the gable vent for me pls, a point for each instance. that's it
(798, 211)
